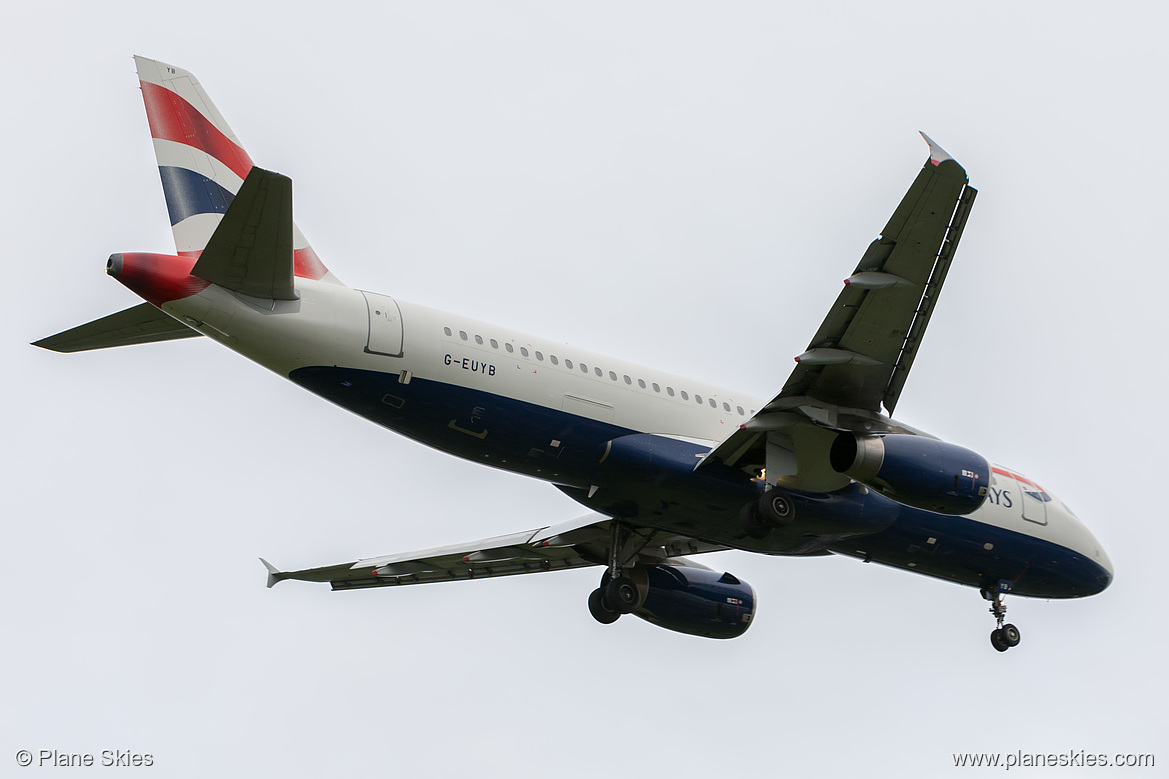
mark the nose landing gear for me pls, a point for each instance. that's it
(1005, 636)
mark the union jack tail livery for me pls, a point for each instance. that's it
(201, 162)
(203, 168)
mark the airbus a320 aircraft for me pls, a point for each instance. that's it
(667, 466)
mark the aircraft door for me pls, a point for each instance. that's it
(385, 325)
(1034, 501)
(1031, 500)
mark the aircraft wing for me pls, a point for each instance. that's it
(577, 544)
(861, 355)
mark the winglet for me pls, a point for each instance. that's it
(938, 155)
(275, 575)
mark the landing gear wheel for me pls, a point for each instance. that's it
(776, 508)
(600, 609)
(751, 523)
(1005, 636)
(622, 594)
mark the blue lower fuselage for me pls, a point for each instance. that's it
(650, 480)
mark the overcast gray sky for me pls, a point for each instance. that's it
(679, 184)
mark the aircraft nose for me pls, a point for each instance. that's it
(1105, 574)
(1096, 572)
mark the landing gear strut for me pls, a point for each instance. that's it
(1005, 636)
(618, 594)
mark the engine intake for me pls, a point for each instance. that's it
(914, 470)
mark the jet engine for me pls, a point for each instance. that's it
(687, 599)
(914, 470)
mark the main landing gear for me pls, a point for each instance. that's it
(1005, 636)
(773, 509)
(617, 594)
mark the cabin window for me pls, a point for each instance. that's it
(598, 371)
(740, 410)
(509, 348)
(727, 407)
(612, 376)
(584, 368)
(656, 387)
(713, 404)
(479, 340)
(524, 351)
(641, 383)
(539, 355)
(698, 399)
(447, 331)
(463, 334)
(670, 391)
(568, 364)
(494, 344)
(552, 357)
(627, 379)
(685, 396)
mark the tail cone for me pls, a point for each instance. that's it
(157, 278)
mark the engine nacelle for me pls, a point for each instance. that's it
(693, 600)
(914, 470)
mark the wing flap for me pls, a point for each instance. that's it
(141, 324)
(929, 299)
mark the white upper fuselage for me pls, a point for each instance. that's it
(330, 325)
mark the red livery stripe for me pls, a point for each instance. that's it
(305, 262)
(159, 278)
(174, 119)
(307, 265)
(1018, 478)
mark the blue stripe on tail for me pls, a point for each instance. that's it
(189, 193)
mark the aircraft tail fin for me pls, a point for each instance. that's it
(201, 162)
(275, 575)
(141, 324)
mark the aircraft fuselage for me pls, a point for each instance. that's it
(621, 439)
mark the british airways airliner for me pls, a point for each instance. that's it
(665, 465)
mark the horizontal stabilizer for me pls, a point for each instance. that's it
(142, 324)
(251, 250)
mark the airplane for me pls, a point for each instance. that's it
(668, 467)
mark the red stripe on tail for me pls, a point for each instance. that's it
(174, 119)
(305, 262)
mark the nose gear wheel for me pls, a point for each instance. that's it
(1003, 637)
